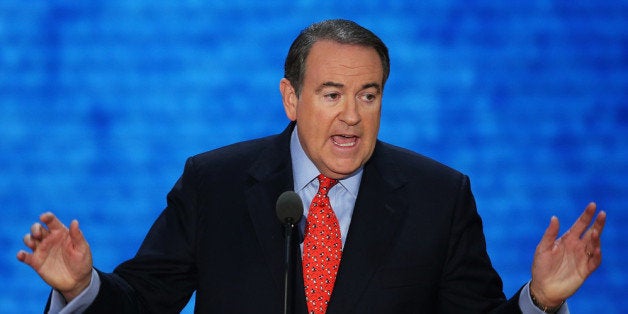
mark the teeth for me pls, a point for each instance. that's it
(345, 144)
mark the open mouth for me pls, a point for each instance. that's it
(344, 140)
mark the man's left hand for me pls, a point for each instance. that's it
(561, 265)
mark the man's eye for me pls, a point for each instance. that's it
(332, 96)
(368, 97)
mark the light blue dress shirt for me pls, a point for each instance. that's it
(342, 197)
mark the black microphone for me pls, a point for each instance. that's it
(289, 212)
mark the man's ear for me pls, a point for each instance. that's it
(289, 98)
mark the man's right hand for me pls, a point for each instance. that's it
(60, 256)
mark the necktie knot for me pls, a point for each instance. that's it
(325, 184)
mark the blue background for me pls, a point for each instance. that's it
(102, 101)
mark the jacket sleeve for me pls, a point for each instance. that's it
(469, 283)
(162, 276)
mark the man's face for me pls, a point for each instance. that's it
(339, 109)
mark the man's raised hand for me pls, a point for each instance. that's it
(561, 265)
(60, 256)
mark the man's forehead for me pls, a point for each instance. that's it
(332, 50)
(339, 62)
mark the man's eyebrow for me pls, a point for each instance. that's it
(375, 85)
(340, 85)
(329, 84)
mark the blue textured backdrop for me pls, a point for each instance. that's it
(102, 101)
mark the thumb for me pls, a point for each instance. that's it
(549, 237)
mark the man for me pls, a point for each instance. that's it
(401, 232)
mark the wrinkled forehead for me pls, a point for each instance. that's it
(336, 62)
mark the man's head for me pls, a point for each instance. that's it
(337, 104)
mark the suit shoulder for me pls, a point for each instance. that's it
(232, 156)
(412, 164)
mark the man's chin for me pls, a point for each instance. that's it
(342, 171)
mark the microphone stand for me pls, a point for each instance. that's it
(287, 297)
(289, 211)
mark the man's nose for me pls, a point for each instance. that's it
(350, 113)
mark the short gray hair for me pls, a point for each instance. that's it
(340, 31)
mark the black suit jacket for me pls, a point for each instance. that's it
(415, 243)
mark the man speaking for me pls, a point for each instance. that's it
(385, 230)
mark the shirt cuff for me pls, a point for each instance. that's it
(78, 304)
(527, 307)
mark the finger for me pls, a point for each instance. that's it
(595, 246)
(24, 257)
(598, 226)
(76, 235)
(38, 232)
(600, 221)
(51, 221)
(596, 230)
(583, 221)
(549, 237)
(28, 241)
(595, 258)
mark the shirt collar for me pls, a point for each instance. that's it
(304, 170)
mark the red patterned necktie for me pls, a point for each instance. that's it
(322, 249)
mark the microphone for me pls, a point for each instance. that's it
(289, 208)
(289, 212)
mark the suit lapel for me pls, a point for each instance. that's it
(378, 211)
